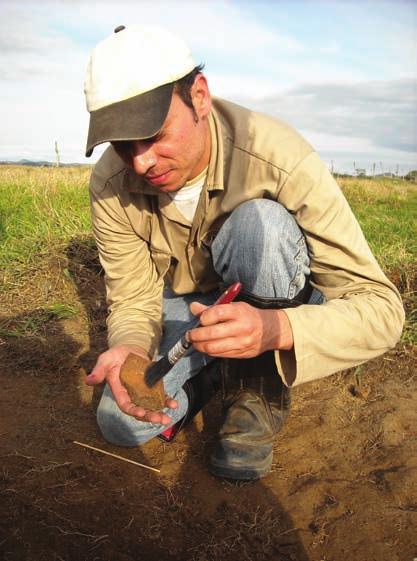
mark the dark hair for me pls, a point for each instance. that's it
(183, 86)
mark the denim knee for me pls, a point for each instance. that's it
(262, 246)
(119, 428)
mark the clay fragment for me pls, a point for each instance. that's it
(132, 377)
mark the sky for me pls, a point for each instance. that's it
(343, 73)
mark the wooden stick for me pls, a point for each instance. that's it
(116, 456)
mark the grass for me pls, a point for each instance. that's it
(32, 324)
(43, 209)
(40, 209)
(386, 210)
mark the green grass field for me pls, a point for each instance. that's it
(40, 210)
(387, 212)
(43, 209)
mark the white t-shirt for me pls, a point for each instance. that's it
(186, 198)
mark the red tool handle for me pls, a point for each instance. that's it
(229, 294)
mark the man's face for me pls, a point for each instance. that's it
(181, 149)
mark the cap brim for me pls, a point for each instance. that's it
(135, 118)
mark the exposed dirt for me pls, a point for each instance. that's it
(343, 485)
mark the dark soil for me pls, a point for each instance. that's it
(343, 484)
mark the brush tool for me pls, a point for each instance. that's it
(159, 369)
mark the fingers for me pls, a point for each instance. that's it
(210, 315)
(196, 308)
(240, 345)
(229, 330)
(98, 374)
(232, 347)
(217, 321)
(226, 320)
(171, 403)
(218, 331)
(111, 358)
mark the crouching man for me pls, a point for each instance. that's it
(193, 194)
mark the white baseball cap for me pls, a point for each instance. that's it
(130, 80)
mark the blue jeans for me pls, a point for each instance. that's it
(260, 245)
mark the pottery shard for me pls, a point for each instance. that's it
(132, 377)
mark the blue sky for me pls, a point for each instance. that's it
(342, 73)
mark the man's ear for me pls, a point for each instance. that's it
(200, 95)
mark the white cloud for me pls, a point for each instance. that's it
(331, 49)
(30, 49)
(382, 112)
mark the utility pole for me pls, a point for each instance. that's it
(373, 169)
(57, 154)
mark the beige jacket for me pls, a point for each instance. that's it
(143, 239)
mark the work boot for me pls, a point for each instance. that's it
(199, 389)
(256, 404)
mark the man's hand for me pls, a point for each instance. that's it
(238, 330)
(107, 369)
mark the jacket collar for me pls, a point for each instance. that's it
(215, 171)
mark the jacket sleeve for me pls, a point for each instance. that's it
(133, 286)
(362, 316)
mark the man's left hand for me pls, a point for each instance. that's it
(238, 330)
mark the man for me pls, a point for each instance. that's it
(195, 194)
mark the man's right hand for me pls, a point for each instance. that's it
(107, 369)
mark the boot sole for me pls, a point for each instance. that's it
(243, 473)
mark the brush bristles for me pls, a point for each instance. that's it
(157, 371)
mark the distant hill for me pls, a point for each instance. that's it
(386, 174)
(39, 163)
